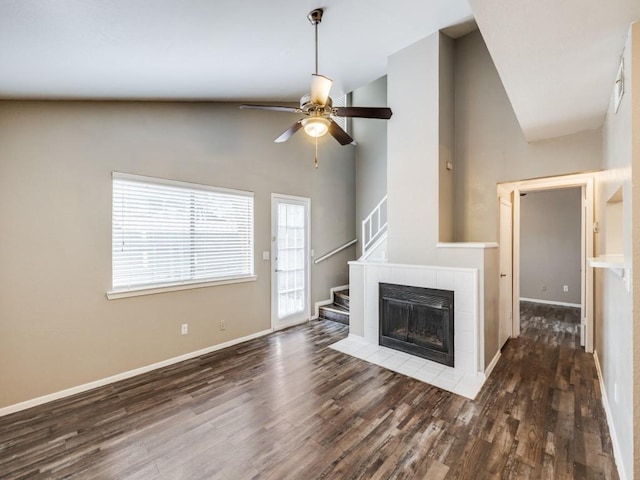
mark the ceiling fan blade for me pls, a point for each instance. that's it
(364, 112)
(339, 134)
(289, 133)
(320, 87)
(278, 108)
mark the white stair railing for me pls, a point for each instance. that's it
(374, 225)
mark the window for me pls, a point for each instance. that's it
(342, 101)
(168, 233)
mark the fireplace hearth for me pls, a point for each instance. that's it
(418, 321)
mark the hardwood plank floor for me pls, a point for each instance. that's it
(286, 406)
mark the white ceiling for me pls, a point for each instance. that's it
(557, 59)
(203, 49)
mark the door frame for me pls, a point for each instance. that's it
(502, 293)
(305, 316)
(586, 182)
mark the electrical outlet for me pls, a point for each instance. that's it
(565, 288)
(543, 288)
(223, 325)
(184, 329)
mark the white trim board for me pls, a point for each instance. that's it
(18, 407)
(295, 323)
(319, 304)
(550, 302)
(492, 365)
(617, 454)
(586, 182)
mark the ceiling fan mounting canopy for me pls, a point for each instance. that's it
(315, 16)
(318, 106)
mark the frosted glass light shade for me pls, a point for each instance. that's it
(316, 126)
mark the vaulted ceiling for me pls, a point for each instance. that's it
(557, 60)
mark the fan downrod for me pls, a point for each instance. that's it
(315, 16)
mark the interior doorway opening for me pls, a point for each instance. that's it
(514, 191)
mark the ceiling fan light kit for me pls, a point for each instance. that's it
(316, 126)
(318, 106)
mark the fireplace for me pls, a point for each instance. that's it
(418, 321)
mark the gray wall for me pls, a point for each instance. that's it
(57, 328)
(550, 245)
(371, 153)
(446, 179)
(490, 147)
(616, 330)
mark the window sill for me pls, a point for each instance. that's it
(136, 292)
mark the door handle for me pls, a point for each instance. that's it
(503, 275)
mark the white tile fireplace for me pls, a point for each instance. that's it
(465, 377)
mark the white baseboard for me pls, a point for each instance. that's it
(492, 365)
(292, 324)
(550, 302)
(318, 305)
(357, 338)
(125, 375)
(617, 454)
(327, 302)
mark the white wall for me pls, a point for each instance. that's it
(635, 240)
(617, 334)
(413, 152)
(57, 329)
(550, 245)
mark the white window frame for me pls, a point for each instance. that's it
(156, 286)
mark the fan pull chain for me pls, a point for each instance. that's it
(315, 159)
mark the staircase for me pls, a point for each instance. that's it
(338, 311)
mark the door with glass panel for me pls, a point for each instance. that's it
(289, 260)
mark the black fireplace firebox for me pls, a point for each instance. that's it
(418, 321)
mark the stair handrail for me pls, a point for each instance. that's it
(337, 250)
(367, 225)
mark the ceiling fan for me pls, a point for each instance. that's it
(317, 106)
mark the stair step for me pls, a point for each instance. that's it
(341, 298)
(334, 312)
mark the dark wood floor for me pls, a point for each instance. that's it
(286, 406)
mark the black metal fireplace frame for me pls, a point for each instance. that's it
(426, 297)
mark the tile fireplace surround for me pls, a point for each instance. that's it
(465, 378)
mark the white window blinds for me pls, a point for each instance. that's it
(172, 233)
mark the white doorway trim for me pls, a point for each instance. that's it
(505, 308)
(586, 183)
